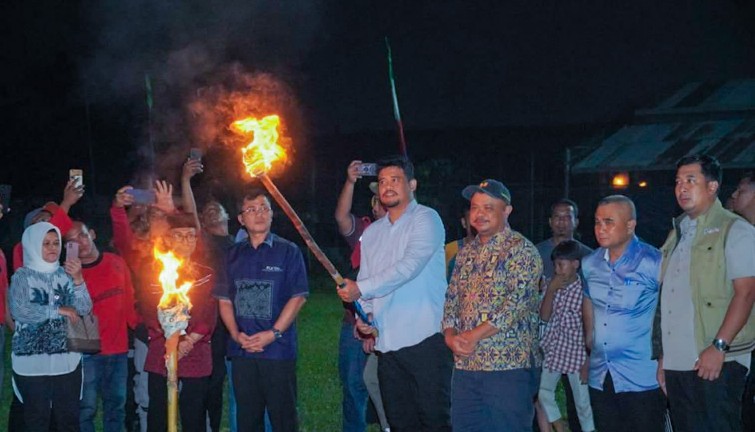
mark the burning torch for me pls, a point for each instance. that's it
(173, 315)
(258, 157)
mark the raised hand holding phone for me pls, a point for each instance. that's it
(142, 196)
(367, 169)
(77, 176)
(72, 250)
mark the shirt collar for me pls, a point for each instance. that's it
(410, 208)
(495, 238)
(631, 249)
(268, 240)
(687, 225)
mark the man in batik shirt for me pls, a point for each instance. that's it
(490, 320)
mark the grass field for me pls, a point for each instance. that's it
(319, 388)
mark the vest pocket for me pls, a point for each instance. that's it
(712, 312)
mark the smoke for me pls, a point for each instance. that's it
(206, 64)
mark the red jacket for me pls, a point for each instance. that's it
(3, 286)
(109, 284)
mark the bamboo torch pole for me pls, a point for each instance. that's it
(308, 239)
(303, 231)
(171, 363)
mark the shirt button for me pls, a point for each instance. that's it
(605, 324)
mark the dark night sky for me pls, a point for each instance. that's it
(458, 64)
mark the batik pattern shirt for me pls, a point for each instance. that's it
(497, 282)
(564, 341)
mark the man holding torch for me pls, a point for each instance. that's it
(402, 284)
(266, 286)
(193, 350)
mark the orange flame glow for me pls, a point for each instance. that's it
(260, 154)
(168, 277)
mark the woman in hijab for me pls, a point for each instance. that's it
(46, 376)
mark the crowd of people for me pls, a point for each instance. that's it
(470, 336)
(643, 338)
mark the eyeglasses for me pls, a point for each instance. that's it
(188, 237)
(254, 209)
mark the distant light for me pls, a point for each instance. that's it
(642, 184)
(620, 180)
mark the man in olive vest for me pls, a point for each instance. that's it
(743, 204)
(702, 336)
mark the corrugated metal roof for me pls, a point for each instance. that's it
(673, 131)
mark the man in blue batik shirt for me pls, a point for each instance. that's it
(265, 287)
(622, 286)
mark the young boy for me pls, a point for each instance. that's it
(563, 343)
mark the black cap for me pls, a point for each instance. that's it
(490, 187)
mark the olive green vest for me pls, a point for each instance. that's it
(711, 290)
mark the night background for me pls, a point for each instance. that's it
(486, 89)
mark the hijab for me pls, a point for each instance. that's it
(32, 240)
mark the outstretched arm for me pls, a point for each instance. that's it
(344, 218)
(190, 169)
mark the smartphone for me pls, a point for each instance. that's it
(5, 197)
(72, 250)
(195, 154)
(143, 196)
(77, 176)
(367, 169)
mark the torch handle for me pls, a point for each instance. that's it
(309, 240)
(303, 231)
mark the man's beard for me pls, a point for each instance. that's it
(392, 204)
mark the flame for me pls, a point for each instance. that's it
(168, 277)
(259, 155)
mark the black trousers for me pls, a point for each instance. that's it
(627, 411)
(701, 405)
(217, 378)
(415, 383)
(748, 400)
(50, 401)
(261, 384)
(192, 403)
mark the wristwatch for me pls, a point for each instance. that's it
(277, 333)
(720, 345)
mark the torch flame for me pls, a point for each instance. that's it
(168, 277)
(259, 155)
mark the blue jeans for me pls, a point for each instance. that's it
(351, 361)
(104, 375)
(494, 401)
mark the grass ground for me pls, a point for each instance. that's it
(318, 384)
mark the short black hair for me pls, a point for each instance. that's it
(709, 166)
(250, 195)
(566, 202)
(398, 161)
(567, 250)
